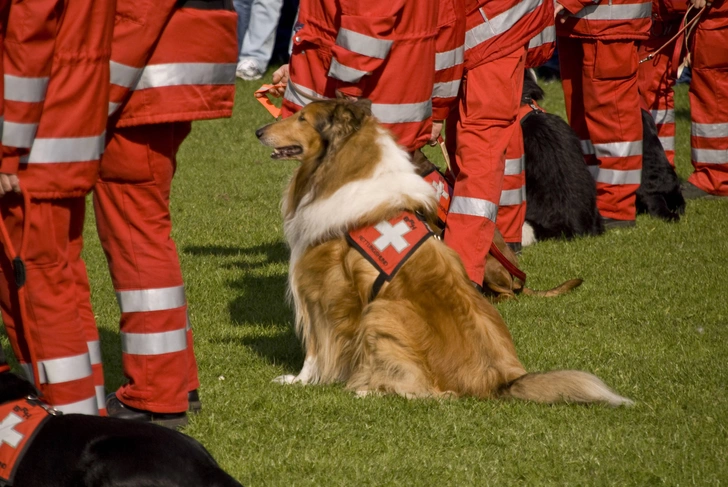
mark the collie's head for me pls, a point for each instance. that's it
(320, 127)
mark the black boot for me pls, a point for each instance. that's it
(117, 409)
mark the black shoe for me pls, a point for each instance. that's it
(516, 247)
(117, 409)
(611, 223)
(692, 192)
(193, 398)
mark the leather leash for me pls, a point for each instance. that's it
(684, 25)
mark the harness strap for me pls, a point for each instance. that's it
(262, 95)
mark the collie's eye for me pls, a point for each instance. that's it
(301, 119)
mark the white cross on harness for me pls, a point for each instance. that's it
(7, 433)
(440, 190)
(392, 235)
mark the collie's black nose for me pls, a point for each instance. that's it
(259, 132)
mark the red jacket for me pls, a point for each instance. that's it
(449, 57)
(172, 64)
(383, 50)
(541, 46)
(56, 87)
(496, 28)
(606, 19)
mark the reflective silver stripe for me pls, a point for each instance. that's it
(514, 166)
(18, 134)
(663, 116)
(616, 177)
(512, 197)
(113, 107)
(668, 143)
(710, 130)
(345, 73)
(141, 300)
(448, 89)
(363, 44)
(292, 94)
(2, 122)
(499, 24)
(449, 59)
(67, 149)
(615, 12)
(709, 156)
(618, 149)
(587, 147)
(100, 397)
(88, 406)
(154, 343)
(544, 37)
(178, 74)
(123, 75)
(402, 112)
(66, 369)
(28, 90)
(94, 352)
(462, 205)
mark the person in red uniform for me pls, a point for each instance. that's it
(480, 130)
(169, 66)
(56, 79)
(708, 111)
(383, 51)
(657, 76)
(598, 56)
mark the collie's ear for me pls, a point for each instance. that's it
(345, 119)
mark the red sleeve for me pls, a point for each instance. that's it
(449, 57)
(573, 6)
(363, 41)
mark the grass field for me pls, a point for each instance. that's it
(651, 319)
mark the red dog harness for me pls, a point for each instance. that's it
(20, 420)
(388, 244)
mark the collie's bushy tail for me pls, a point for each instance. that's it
(563, 386)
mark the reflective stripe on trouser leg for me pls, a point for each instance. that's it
(512, 204)
(709, 116)
(83, 300)
(131, 202)
(614, 123)
(52, 320)
(486, 119)
(656, 83)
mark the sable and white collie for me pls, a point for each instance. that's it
(427, 332)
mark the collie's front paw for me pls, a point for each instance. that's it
(285, 379)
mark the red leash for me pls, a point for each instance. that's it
(20, 276)
(510, 267)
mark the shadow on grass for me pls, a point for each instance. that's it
(275, 253)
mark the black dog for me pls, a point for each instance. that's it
(560, 190)
(561, 194)
(659, 193)
(75, 450)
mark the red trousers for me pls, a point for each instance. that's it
(131, 202)
(656, 83)
(512, 204)
(603, 106)
(478, 134)
(58, 321)
(708, 109)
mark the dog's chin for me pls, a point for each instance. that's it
(287, 152)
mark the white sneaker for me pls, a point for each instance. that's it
(248, 70)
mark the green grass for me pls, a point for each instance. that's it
(651, 319)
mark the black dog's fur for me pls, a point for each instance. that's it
(659, 193)
(75, 450)
(561, 194)
(560, 190)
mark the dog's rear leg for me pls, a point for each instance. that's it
(390, 358)
(309, 373)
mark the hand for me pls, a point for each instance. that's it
(8, 183)
(701, 3)
(280, 77)
(435, 134)
(559, 12)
